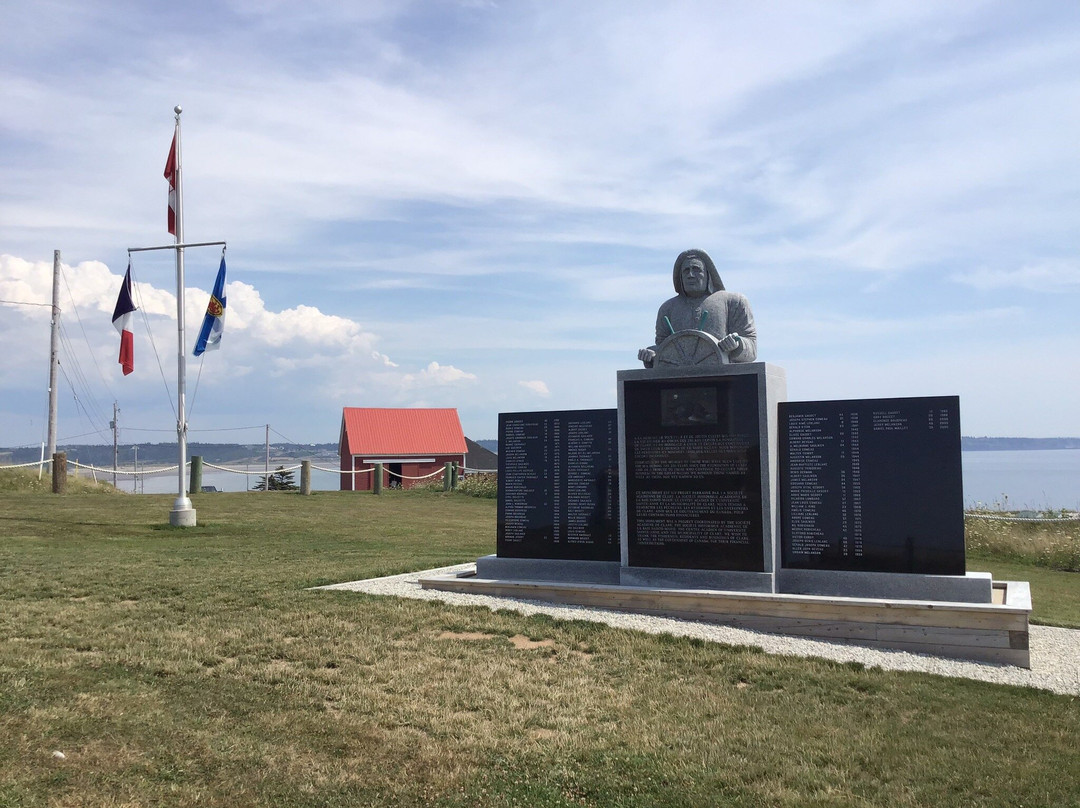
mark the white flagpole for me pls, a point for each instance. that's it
(182, 514)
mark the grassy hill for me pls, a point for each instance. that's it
(195, 667)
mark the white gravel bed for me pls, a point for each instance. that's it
(1055, 652)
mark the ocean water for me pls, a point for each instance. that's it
(1017, 480)
(223, 480)
(1047, 478)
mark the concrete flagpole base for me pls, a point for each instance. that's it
(182, 514)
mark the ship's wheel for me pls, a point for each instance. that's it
(690, 348)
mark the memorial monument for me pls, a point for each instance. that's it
(837, 519)
(558, 509)
(704, 324)
(697, 443)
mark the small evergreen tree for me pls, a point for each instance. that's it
(280, 480)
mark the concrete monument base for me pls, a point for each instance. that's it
(666, 578)
(994, 632)
(548, 569)
(974, 587)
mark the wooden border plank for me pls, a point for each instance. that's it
(982, 632)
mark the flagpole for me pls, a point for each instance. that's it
(182, 514)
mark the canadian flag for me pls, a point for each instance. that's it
(170, 175)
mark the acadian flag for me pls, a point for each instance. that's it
(121, 319)
(170, 175)
(213, 325)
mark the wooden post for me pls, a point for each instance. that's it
(267, 466)
(454, 475)
(305, 478)
(196, 474)
(376, 483)
(447, 473)
(115, 424)
(59, 472)
(54, 351)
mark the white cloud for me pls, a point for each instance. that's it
(1053, 276)
(283, 357)
(1040, 399)
(912, 329)
(536, 386)
(436, 375)
(856, 171)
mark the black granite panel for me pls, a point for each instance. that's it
(872, 485)
(693, 473)
(558, 485)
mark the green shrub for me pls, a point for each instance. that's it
(1054, 544)
(485, 486)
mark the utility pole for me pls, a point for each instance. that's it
(115, 446)
(267, 467)
(54, 351)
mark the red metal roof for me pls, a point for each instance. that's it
(377, 431)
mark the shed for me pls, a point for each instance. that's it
(409, 443)
(479, 458)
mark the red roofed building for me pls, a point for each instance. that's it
(408, 442)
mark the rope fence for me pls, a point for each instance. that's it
(1065, 516)
(424, 477)
(28, 465)
(109, 470)
(1008, 518)
(344, 471)
(94, 471)
(259, 473)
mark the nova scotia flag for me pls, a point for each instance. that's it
(214, 322)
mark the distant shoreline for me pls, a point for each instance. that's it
(969, 444)
(326, 454)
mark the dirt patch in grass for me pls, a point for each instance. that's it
(543, 734)
(519, 641)
(523, 643)
(466, 635)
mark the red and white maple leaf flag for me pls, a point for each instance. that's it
(170, 175)
(121, 318)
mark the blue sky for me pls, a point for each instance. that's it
(477, 204)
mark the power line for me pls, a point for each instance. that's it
(150, 333)
(287, 439)
(231, 428)
(84, 388)
(79, 404)
(73, 437)
(86, 339)
(24, 303)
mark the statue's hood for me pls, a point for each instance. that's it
(715, 284)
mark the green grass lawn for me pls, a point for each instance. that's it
(193, 667)
(1055, 595)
